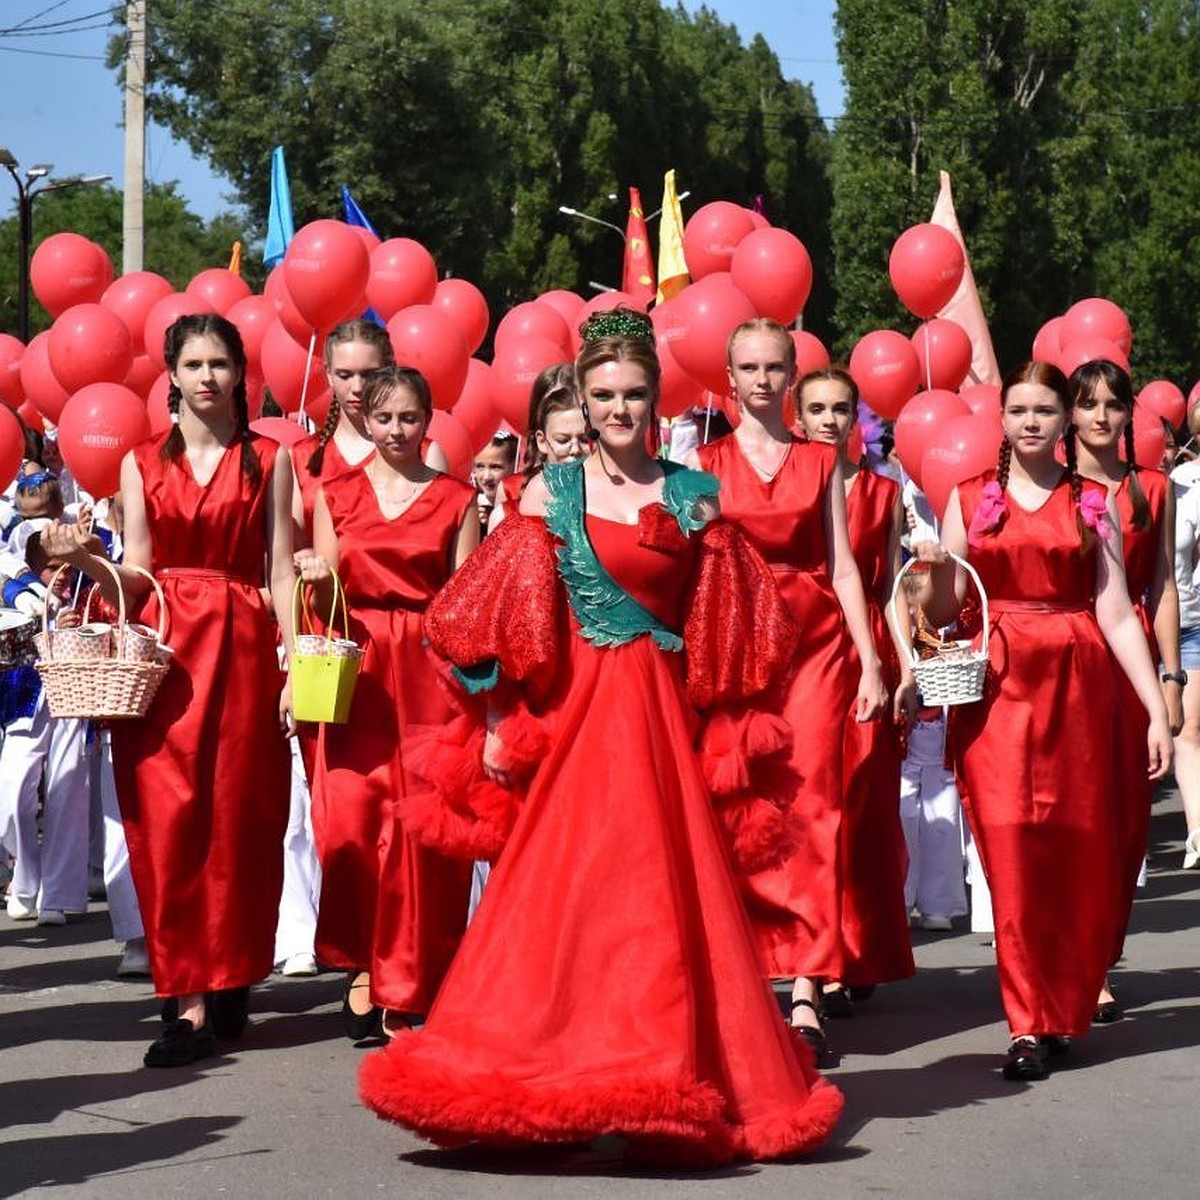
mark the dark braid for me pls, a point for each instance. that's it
(1137, 496)
(316, 460)
(251, 467)
(174, 446)
(1086, 535)
(1003, 464)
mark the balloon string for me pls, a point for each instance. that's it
(312, 346)
(928, 360)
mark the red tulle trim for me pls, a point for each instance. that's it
(524, 741)
(790, 1134)
(759, 833)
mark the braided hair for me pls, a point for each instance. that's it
(369, 334)
(209, 325)
(1084, 383)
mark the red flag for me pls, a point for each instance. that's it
(637, 278)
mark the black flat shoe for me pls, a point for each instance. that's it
(1026, 1060)
(836, 1004)
(228, 1010)
(1107, 1012)
(170, 1010)
(814, 1035)
(180, 1044)
(360, 1026)
(1056, 1045)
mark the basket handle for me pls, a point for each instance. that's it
(54, 580)
(902, 629)
(121, 613)
(339, 594)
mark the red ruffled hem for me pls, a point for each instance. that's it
(666, 1124)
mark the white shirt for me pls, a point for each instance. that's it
(1185, 485)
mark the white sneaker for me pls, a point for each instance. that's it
(936, 924)
(299, 965)
(52, 916)
(1191, 852)
(135, 962)
(21, 908)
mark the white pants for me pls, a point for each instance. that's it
(123, 908)
(297, 925)
(982, 920)
(479, 877)
(932, 819)
(52, 871)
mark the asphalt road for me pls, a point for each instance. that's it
(927, 1112)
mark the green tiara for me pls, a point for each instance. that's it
(618, 323)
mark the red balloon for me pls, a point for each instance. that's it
(252, 315)
(604, 302)
(962, 449)
(31, 417)
(68, 269)
(326, 268)
(316, 406)
(887, 371)
(402, 274)
(141, 375)
(12, 350)
(156, 404)
(161, 317)
(100, 424)
(1149, 438)
(12, 444)
(1100, 318)
(89, 344)
(39, 382)
(698, 324)
(464, 302)
(452, 436)
(474, 408)
(854, 445)
(811, 354)
(426, 338)
(760, 222)
(369, 240)
(567, 304)
(711, 236)
(926, 266)
(1047, 344)
(532, 319)
(132, 297)
(983, 399)
(1161, 396)
(944, 353)
(284, 307)
(279, 429)
(920, 421)
(514, 371)
(677, 390)
(219, 288)
(1081, 349)
(283, 368)
(772, 267)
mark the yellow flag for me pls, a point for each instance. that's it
(672, 268)
(235, 259)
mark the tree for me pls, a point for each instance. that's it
(179, 244)
(466, 125)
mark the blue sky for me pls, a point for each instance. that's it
(59, 103)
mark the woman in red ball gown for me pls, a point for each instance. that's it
(875, 932)
(1101, 424)
(788, 497)
(609, 983)
(394, 531)
(202, 779)
(1034, 757)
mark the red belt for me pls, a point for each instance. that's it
(205, 573)
(1036, 606)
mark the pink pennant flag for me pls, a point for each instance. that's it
(964, 306)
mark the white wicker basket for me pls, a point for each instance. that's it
(956, 675)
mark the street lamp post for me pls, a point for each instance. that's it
(26, 194)
(567, 211)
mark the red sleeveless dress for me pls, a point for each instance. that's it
(609, 982)
(1142, 548)
(386, 902)
(203, 778)
(796, 907)
(874, 854)
(1034, 761)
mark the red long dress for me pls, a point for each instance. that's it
(385, 901)
(609, 982)
(1034, 761)
(874, 854)
(1142, 549)
(203, 778)
(796, 907)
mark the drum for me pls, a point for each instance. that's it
(16, 638)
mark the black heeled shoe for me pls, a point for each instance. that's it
(1026, 1060)
(1107, 1012)
(180, 1044)
(836, 1004)
(360, 1026)
(814, 1035)
(228, 1011)
(1056, 1044)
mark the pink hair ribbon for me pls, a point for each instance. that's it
(1093, 507)
(988, 515)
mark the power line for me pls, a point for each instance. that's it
(37, 15)
(53, 54)
(24, 29)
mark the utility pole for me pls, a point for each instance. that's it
(133, 220)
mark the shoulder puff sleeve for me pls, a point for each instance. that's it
(740, 641)
(495, 624)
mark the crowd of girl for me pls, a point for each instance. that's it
(667, 702)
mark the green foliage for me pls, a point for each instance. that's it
(178, 243)
(466, 124)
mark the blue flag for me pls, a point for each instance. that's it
(354, 214)
(280, 227)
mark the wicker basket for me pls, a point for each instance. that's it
(956, 675)
(108, 688)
